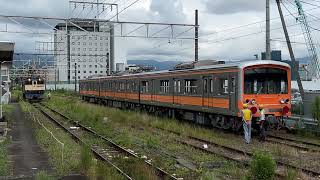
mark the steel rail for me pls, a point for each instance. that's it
(160, 172)
(307, 171)
(75, 137)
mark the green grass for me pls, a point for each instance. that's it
(122, 125)
(4, 159)
(71, 150)
(42, 175)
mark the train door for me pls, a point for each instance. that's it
(153, 90)
(206, 99)
(232, 94)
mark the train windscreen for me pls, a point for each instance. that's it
(265, 81)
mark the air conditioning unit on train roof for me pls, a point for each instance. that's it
(192, 65)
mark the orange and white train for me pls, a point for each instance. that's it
(206, 95)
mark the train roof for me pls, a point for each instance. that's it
(237, 64)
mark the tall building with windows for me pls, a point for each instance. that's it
(83, 49)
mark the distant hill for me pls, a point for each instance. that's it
(159, 65)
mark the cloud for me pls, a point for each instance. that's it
(56, 8)
(215, 16)
(234, 6)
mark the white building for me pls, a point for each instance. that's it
(6, 57)
(92, 52)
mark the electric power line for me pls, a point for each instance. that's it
(317, 29)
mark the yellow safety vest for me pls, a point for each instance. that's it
(246, 113)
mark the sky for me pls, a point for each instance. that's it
(229, 29)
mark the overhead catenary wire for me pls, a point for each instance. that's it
(317, 29)
(250, 24)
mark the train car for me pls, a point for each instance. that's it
(206, 95)
(33, 89)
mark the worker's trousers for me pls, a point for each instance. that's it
(247, 131)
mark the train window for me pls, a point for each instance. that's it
(164, 86)
(224, 86)
(191, 86)
(128, 86)
(122, 86)
(205, 86)
(265, 81)
(211, 86)
(233, 83)
(177, 86)
(284, 87)
(133, 89)
(144, 86)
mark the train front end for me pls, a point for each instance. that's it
(33, 89)
(268, 85)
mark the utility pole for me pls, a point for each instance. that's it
(68, 52)
(55, 78)
(75, 77)
(196, 38)
(1, 116)
(268, 49)
(293, 59)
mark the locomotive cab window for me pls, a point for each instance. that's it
(266, 81)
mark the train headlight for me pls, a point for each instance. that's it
(29, 79)
(282, 101)
(247, 101)
(287, 101)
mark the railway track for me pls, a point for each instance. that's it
(234, 154)
(301, 145)
(113, 149)
(294, 140)
(77, 138)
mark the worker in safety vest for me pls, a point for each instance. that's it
(262, 123)
(246, 118)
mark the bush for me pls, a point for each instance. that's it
(262, 166)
